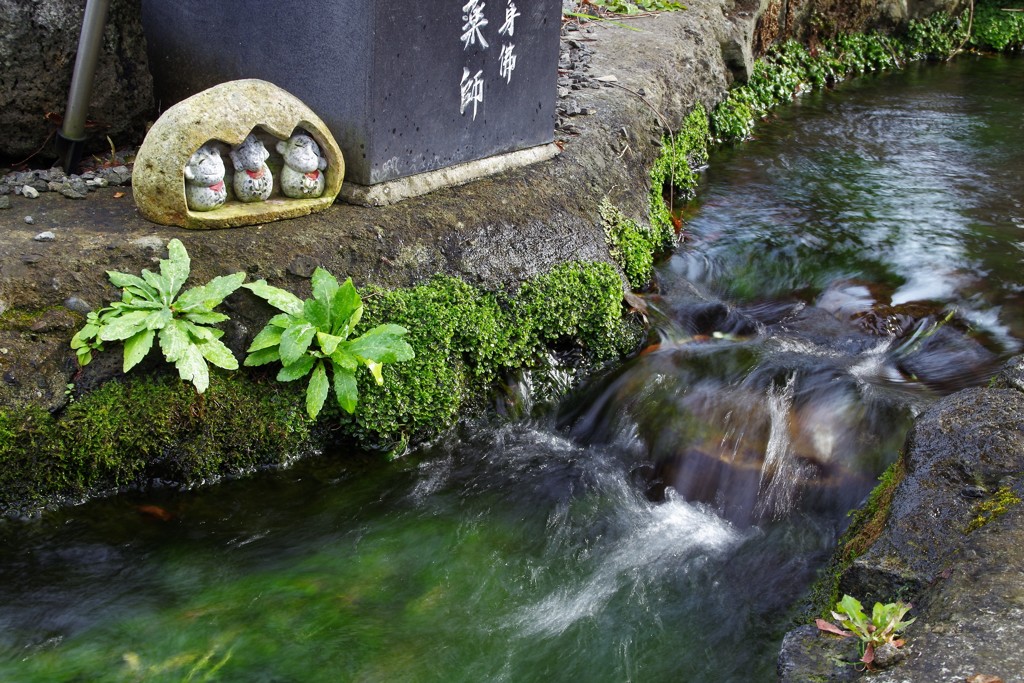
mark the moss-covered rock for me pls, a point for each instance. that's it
(140, 430)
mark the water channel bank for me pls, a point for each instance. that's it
(513, 263)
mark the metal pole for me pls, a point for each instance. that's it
(71, 137)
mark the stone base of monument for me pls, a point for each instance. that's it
(394, 191)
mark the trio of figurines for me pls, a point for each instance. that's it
(302, 176)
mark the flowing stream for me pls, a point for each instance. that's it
(858, 260)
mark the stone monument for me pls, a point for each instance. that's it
(408, 87)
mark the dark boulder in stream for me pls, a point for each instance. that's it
(951, 542)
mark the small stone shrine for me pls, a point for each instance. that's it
(239, 153)
(407, 87)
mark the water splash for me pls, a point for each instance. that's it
(661, 540)
(781, 474)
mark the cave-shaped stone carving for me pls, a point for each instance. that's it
(247, 114)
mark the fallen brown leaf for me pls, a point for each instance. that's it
(118, 195)
(984, 678)
(829, 627)
(156, 512)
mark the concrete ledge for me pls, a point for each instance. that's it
(394, 191)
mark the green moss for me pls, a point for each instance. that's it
(935, 37)
(466, 338)
(631, 245)
(674, 177)
(130, 432)
(22, 320)
(790, 68)
(865, 527)
(992, 508)
(996, 29)
(674, 173)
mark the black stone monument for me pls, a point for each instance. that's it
(406, 86)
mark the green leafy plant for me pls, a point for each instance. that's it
(883, 627)
(150, 309)
(310, 336)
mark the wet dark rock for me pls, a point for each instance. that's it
(951, 543)
(947, 359)
(974, 491)
(807, 654)
(1011, 376)
(887, 655)
(971, 438)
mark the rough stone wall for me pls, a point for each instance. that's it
(808, 20)
(38, 44)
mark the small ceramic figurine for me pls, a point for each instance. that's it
(204, 179)
(253, 181)
(302, 175)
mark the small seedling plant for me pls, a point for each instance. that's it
(311, 336)
(636, 6)
(885, 625)
(151, 309)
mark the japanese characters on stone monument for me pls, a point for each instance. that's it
(406, 87)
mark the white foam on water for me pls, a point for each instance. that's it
(661, 539)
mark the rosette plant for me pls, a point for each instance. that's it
(883, 627)
(151, 309)
(310, 337)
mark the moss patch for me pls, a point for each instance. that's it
(466, 338)
(992, 508)
(674, 177)
(791, 68)
(631, 244)
(674, 174)
(866, 525)
(131, 432)
(143, 429)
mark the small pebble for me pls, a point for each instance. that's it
(47, 236)
(29, 191)
(73, 303)
(30, 220)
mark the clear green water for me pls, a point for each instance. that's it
(660, 523)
